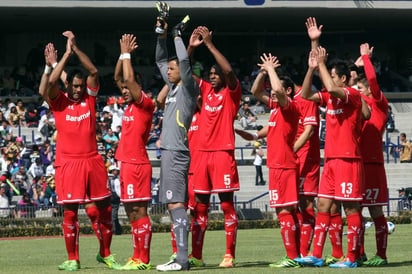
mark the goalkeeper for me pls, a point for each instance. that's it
(179, 107)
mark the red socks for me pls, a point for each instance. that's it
(199, 226)
(142, 237)
(289, 228)
(230, 226)
(321, 229)
(381, 234)
(354, 231)
(93, 214)
(71, 234)
(106, 228)
(306, 230)
(335, 234)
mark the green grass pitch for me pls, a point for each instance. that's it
(255, 250)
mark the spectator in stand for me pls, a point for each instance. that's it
(21, 109)
(46, 153)
(46, 124)
(110, 158)
(14, 117)
(101, 144)
(154, 135)
(4, 202)
(3, 161)
(32, 117)
(390, 122)
(258, 153)
(36, 169)
(6, 131)
(114, 180)
(111, 140)
(50, 171)
(247, 117)
(27, 206)
(50, 193)
(116, 109)
(405, 149)
(258, 108)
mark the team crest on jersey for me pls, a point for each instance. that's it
(83, 103)
(194, 118)
(169, 194)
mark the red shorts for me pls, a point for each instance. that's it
(135, 182)
(283, 187)
(215, 171)
(191, 193)
(375, 191)
(309, 175)
(342, 179)
(82, 179)
(58, 183)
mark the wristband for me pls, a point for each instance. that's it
(121, 57)
(47, 69)
(255, 136)
(126, 56)
(54, 64)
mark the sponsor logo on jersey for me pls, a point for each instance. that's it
(170, 100)
(77, 118)
(213, 109)
(334, 111)
(128, 118)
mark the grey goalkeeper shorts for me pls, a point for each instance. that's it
(174, 169)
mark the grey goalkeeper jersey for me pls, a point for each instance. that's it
(181, 99)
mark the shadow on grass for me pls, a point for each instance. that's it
(237, 265)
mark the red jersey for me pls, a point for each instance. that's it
(373, 129)
(283, 126)
(309, 115)
(219, 110)
(193, 134)
(343, 124)
(75, 124)
(136, 125)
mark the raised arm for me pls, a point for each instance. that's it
(326, 78)
(50, 56)
(93, 77)
(194, 41)
(270, 63)
(221, 60)
(53, 83)
(128, 45)
(161, 51)
(314, 32)
(258, 88)
(366, 52)
(307, 82)
(185, 67)
(118, 72)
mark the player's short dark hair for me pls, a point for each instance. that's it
(362, 79)
(174, 58)
(75, 73)
(341, 68)
(288, 83)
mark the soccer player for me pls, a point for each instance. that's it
(282, 160)
(308, 216)
(136, 170)
(307, 149)
(343, 172)
(215, 171)
(376, 189)
(75, 121)
(179, 106)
